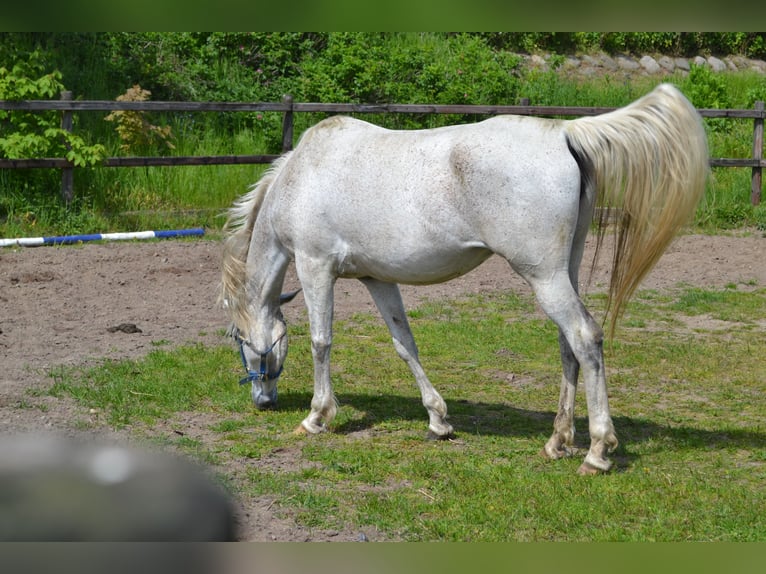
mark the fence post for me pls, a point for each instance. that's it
(287, 124)
(755, 187)
(67, 173)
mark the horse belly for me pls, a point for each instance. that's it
(424, 267)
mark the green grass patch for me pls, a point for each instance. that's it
(729, 304)
(687, 403)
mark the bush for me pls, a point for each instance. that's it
(410, 68)
(38, 134)
(135, 130)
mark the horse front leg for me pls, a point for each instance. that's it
(318, 290)
(388, 299)
(561, 443)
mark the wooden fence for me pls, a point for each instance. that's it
(289, 108)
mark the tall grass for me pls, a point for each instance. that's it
(188, 195)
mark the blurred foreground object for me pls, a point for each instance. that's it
(59, 489)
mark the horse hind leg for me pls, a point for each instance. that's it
(584, 337)
(388, 299)
(561, 443)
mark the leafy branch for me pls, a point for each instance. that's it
(38, 134)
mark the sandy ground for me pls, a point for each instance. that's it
(60, 306)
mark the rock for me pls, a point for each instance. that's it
(591, 61)
(627, 64)
(608, 63)
(538, 61)
(587, 65)
(737, 63)
(667, 63)
(125, 328)
(649, 64)
(571, 62)
(716, 65)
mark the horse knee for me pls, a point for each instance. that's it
(320, 348)
(587, 345)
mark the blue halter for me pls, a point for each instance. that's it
(262, 374)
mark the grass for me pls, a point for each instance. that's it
(686, 397)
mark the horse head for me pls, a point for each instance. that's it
(263, 355)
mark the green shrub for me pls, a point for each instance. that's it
(38, 134)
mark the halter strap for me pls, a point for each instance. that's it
(262, 374)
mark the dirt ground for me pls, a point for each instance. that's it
(61, 305)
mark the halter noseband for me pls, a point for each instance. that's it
(262, 374)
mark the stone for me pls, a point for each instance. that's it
(738, 62)
(608, 62)
(667, 63)
(627, 64)
(571, 62)
(591, 61)
(538, 61)
(716, 65)
(649, 64)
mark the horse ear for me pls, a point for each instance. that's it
(287, 297)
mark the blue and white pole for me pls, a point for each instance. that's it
(120, 236)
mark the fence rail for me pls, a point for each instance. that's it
(288, 107)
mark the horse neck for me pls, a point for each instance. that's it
(266, 268)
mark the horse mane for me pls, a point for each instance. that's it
(236, 245)
(650, 160)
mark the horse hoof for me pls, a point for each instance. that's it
(311, 429)
(557, 454)
(544, 453)
(433, 436)
(587, 469)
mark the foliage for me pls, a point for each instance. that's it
(409, 68)
(135, 130)
(706, 89)
(35, 134)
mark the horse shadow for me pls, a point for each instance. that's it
(501, 419)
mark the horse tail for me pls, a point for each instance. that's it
(236, 244)
(650, 159)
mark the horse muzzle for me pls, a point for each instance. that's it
(264, 394)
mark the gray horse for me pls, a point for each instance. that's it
(425, 206)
